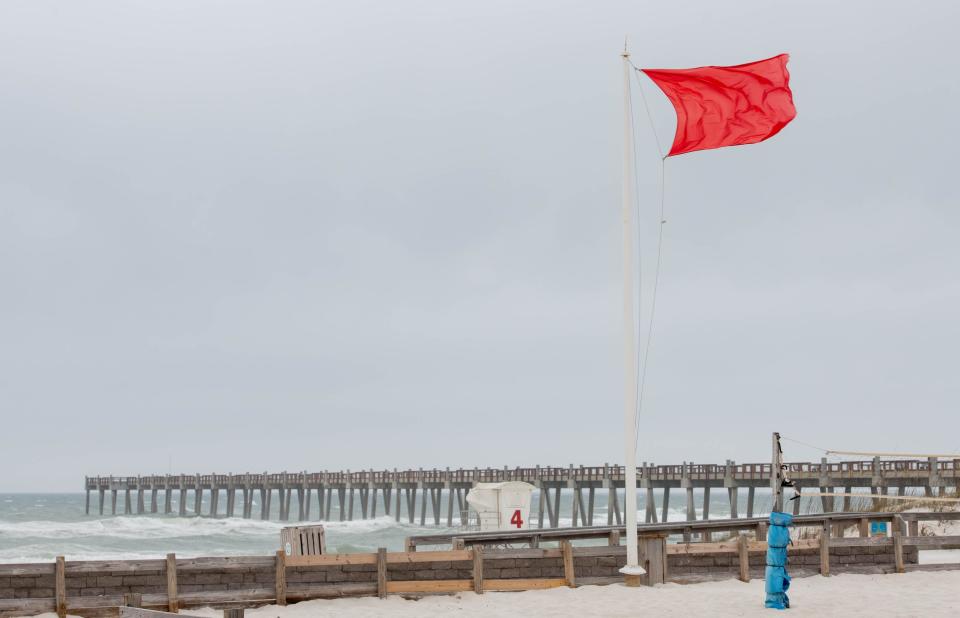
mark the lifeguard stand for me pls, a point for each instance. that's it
(303, 540)
(501, 506)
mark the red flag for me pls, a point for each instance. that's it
(727, 106)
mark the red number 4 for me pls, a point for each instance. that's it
(517, 520)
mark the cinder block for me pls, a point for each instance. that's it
(206, 578)
(313, 577)
(109, 580)
(45, 580)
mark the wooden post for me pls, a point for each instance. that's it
(653, 557)
(569, 573)
(233, 613)
(173, 605)
(864, 527)
(914, 527)
(478, 569)
(133, 599)
(613, 539)
(281, 577)
(744, 557)
(897, 526)
(382, 572)
(61, 588)
(762, 531)
(825, 548)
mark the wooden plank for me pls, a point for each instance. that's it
(60, 588)
(478, 570)
(861, 542)
(306, 592)
(221, 563)
(933, 542)
(933, 567)
(600, 581)
(123, 567)
(702, 548)
(569, 573)
(744, 558)
(333, 559)
(281, 579)
(599, 551)
(32, 568)
(402, 557)
(172, 605)
(442, 585)
(210, 597)
(507, 585)
(139, 612)
(26, 607)
(494, 554)
(382, 585)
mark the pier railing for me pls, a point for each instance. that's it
(397, 490)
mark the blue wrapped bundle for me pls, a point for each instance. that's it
(777, 579)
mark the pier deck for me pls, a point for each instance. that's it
(363, 492)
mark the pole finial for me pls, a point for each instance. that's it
(625, 53)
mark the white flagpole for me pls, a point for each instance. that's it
(632, 571)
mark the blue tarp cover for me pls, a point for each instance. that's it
(778, 537)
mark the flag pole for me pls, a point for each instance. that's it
(632, 571)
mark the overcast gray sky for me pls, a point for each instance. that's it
(239, 236)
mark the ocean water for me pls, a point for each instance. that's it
(39, 527)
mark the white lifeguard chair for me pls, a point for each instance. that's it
(500, 506)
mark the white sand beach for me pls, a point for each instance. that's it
(909, 594)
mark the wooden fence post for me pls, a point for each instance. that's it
(897, 525)
(614, 539)
(233, 613)
(132, 599)
(61, 587)
(478, 569)
(569, 574)
(744, 557)
(281, 577)
(825, 548)
(864, 527)
(173, 605)
(762, 531)
(382, 572)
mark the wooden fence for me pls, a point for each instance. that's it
(475, 568)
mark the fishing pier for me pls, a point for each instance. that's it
(397, 493)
